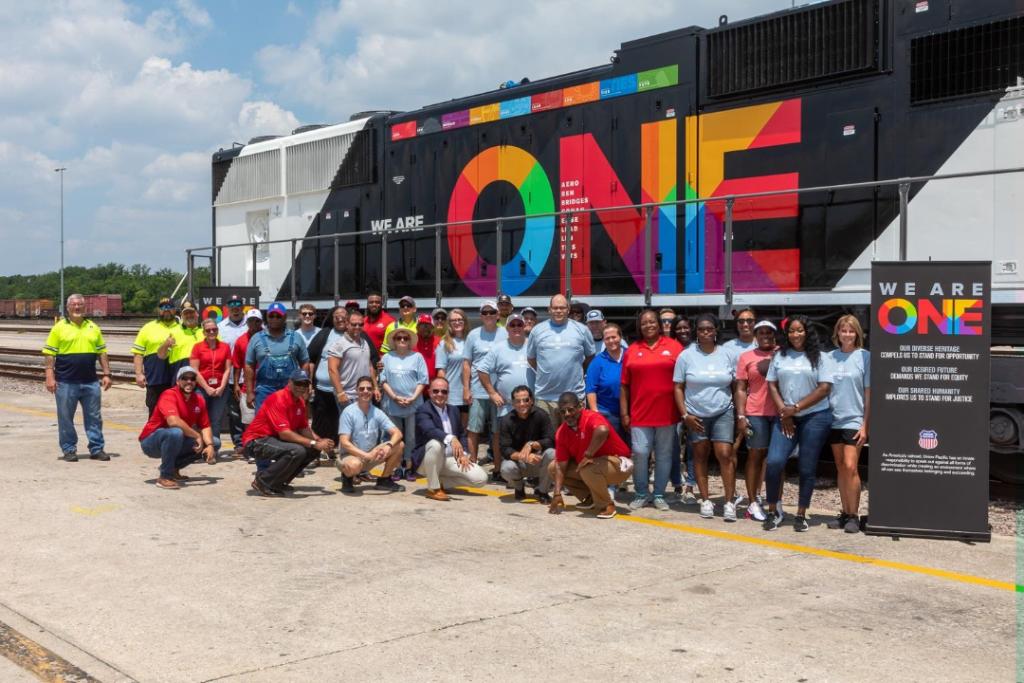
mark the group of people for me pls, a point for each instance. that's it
(567, 404)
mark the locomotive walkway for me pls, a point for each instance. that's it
(106, 576)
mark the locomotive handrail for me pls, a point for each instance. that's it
(902, 184)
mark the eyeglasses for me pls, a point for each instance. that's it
(213, 331)
(305, 313)
(406, 304)
(511, 325)
(442, 392)
(744, 321)
(355, 324)
(272, 316)
(188, 379)
(522, 400)
(167, 307)
(235, 304)
(364, 388)
(403, 338)
(666, 321)
(302, 384)
(454, 321)
(488, 313)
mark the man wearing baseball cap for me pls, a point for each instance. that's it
(426, 341)
(529, 314)
(407, 318)
(187, 335)
(482, 411)
(272, 357)
(151, 349)
(280, 438)
(178, 431)
(231, 328)
(505, 309)
(440, 318)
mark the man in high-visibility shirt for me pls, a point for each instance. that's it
(71, 351)
(188, 334)
(151, 349)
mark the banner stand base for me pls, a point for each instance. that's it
(973, 536)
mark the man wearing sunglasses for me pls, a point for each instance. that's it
(188, 334)
(307, 322)
(407, 318)
(280, 438)
(178, 431)
(273, 355)
(442, 454)
(368, 438)
(482, 411)
(151, 349)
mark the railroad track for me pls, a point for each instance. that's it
(42, 329)
(35, 370)
(35, 353)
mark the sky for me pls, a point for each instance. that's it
(132, 98)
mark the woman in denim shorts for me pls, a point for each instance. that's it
(704, 376)
(851, 407)
(755, 410)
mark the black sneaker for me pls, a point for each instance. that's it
(347, 484)
(800, 523)
(385, 484)
(773, 521)
(286, 488)
(542, 497)
(496, 477)
(520, 494)
(100, 456)
(839, 522)
(264, 490)
(852, 525)
(69, 457)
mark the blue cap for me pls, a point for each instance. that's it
(277, 307)
(299, 376)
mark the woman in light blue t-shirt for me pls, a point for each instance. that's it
(850, 365)
(449, 356)
(403, 380)
(799, 382)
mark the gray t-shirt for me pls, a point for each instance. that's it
(559, 351)
(355, 362)
(478, 342)
(851, 375)
(508, 368)
(451, 363)
(366, 430)
(708, 378)
(321, 376)
(796, 378)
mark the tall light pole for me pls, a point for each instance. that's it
(61, 172)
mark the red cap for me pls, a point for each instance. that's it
(425, 319)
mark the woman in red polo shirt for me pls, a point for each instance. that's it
(648, 409)
(211, 359)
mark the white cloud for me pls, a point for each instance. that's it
(193, 14)
(263, 118)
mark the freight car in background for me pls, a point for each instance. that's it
(835, 93)
(96, 306)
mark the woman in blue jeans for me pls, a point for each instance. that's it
(799, 382)
(704, 376)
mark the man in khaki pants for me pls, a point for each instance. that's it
(589, 457)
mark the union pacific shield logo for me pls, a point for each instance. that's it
(928, 439)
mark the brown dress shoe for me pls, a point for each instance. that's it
(167, 483)
(437, 494)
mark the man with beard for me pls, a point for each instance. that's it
(505, 309)
(272, 357)
(350, 358)
(150, 350)
(377, 319)
(189, 333)
(178, 431)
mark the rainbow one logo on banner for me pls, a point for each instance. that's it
(928, 439)
(955, 315)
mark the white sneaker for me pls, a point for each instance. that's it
(688, 498)
(730, 512)
(660, 504)
(738, 500)
(755, 511)
(707, 509)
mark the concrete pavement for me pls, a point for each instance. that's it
(131, 582)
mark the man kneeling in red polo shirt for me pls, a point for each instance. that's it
(280, 432)
(178, 430)
(589, 457)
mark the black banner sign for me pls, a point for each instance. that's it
(213, 301)
(930, 377)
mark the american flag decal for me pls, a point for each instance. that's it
(928, 439)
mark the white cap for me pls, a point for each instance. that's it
(488, 304)
(594, 315)
(765, 323)
(253, 313)
(185, 370)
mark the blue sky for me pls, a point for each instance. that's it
(133, 96)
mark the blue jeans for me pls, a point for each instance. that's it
(174, 449)
(676, 475)
(664, 443)
(68, 396)
(616, 422)
(811, 433)
(215, 408)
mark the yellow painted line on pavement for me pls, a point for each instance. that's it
(37, 660)
(119, 426)
(802, 549)
(96, 511)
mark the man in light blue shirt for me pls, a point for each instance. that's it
(481, 411)
(558, 349)
(368, 438)
(505, 367)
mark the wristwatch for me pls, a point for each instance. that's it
(312, 443)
